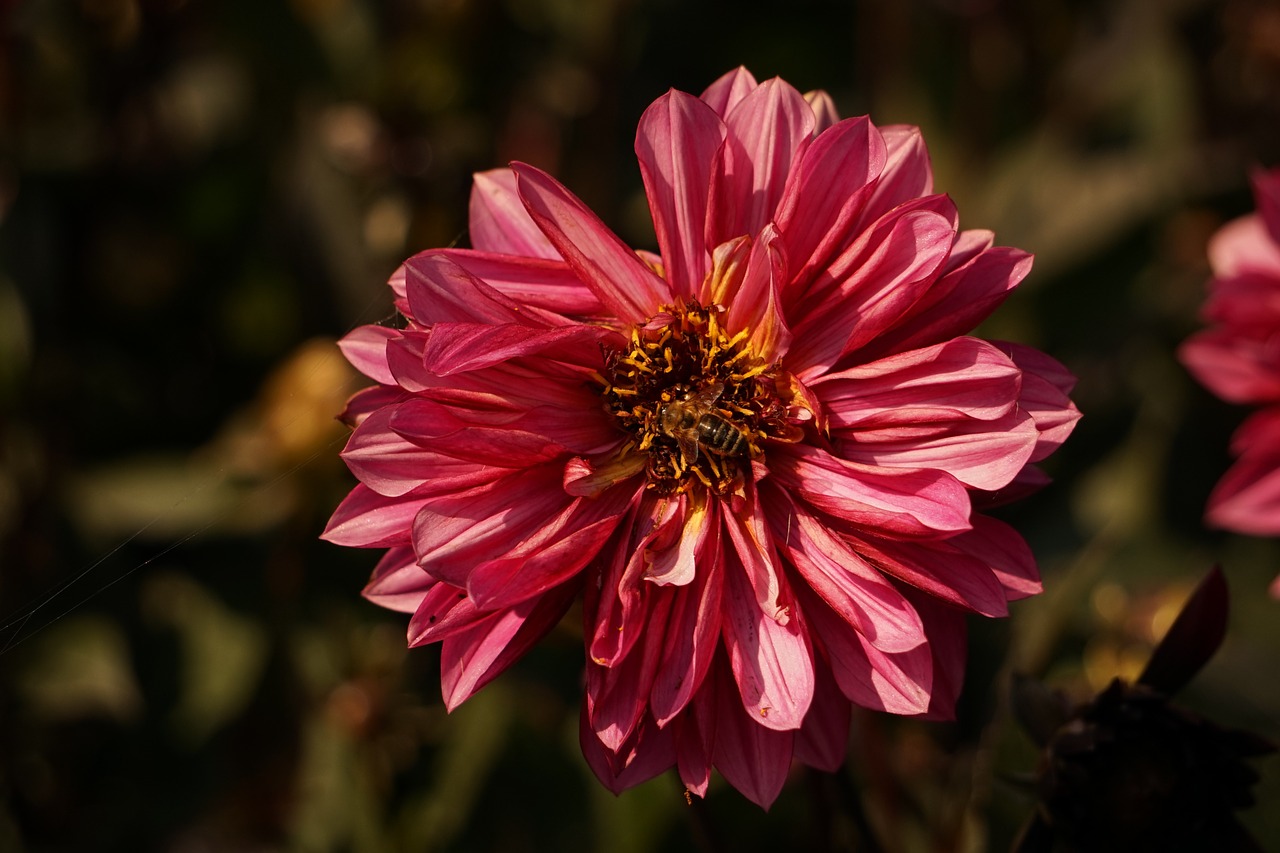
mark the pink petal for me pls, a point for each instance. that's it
(649, 752)
(871, 285)
(1045, 384)
(676, 143)
(460, 347)
(624, 285)
(447, 431)
(824, 109)
(772, 663)
(692, 636)
(444, 611)
(367, 401)
(907, 173)
(614, 607)
(675, 561)
(825, 193)
(850, 586)
(728, 90)
(558, 552)
(398, 583)
(499, 222)
(386, 462)
(957, 302)
(454, 533)
(695, 741)
(366, 519)
(1247, 498)
(366, 349)
(765, 130)
(750, 538)
(980, 454)
(942, 570)
(895, 501)
(961, 378)
(1238, 368)
(471, 659)
(756, 305)
(617, 694)
(1244, 245)
(949, 645)
(440, 291)
(544, 288)
(754, 759)
(1006, 552)
(897, 683)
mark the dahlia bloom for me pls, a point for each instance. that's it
(753, 456)
(1238, 358)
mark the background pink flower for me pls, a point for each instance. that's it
(1238, 358)
(754, 456)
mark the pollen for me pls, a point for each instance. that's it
(698, 402)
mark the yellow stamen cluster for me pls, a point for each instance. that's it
(681, 371)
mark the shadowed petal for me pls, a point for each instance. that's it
(753, 758)
(550, 290)
(692, 635)
(897, 683)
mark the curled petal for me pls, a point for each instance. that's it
(824, 109)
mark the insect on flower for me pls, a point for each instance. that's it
(757, 458)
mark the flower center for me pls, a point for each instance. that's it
(695, 399)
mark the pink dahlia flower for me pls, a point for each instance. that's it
(754, 456)
(1238, 359)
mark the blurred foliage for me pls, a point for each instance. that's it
(197, 198)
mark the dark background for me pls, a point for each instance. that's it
(198, 198)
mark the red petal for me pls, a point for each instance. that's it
(366, 349)
(366, 519)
